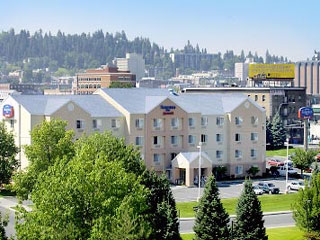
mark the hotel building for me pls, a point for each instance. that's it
(165, 128)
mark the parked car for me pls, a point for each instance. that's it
(318, 157)
(282, 171)
(268, 187)
(296, 185)
(275, 162)
(257, 190)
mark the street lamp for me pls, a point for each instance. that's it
(286, 191)
(199, 176)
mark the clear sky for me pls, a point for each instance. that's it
(286, 27)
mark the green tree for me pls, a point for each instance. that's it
(269, 139)
(278, 132)
(162, 210)
(121, 85)
(253, 171)
(303, 159)
(249, 224)
(307, 207)
(50, 142)
(8, 151)
(87, 197)
(211, 218)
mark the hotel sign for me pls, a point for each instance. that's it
(167, 109)
(8, 111)
(305, 113)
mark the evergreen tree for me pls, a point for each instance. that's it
(162, 207)
(278, 132)
(211, 218)
(269, 132)
(249, 224)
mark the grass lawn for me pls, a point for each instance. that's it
(269, 203)
(279, 152)
(290, 233)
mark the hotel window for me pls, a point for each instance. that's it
(156, 140)
(219, 154)
(237, 137)
(238, 121)
(191, 139)
(174, 122)
(12, 123)
(254, 120)
(174, 140)
(204, 121)
(157, 159)
(115, 123)
(173, 155)
(157, 123)
(191, 122)
(139, 141)
(139, 123)
(219, 137)
(238, 154)
(256, 97)
(239, 170)
(204, 138)
(94, 124)
(220, 121)
(253, 153)
(254, 136)
(80, 124)
(263, 98)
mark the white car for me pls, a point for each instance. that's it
(257, 190)
(296, 185)
(282, 171)
(290, 163)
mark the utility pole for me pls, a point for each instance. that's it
(305, 135)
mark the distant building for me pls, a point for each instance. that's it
(241, 71)
(24, 88)
(133, 63)
(286, 101)
(93, 79)
(307, 74)
(191, 60)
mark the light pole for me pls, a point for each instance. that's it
(199, 176)
(286, 191)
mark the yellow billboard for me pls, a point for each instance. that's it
(271, 71)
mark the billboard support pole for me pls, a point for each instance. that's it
(305, 137)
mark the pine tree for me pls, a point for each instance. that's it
(249, 224)
(211, 218)
(269, 139)
(162, 207)
(278, 132)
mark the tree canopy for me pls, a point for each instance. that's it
(303, 159)
(8, 151)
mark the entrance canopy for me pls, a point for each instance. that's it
(191, 160)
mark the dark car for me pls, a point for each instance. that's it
(269, 188)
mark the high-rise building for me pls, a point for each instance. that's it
(134, 63)
(241, 71)
(307, 74)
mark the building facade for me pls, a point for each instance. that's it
(93, 79)
(166, 129)
(286, 101)
(133, 63)
(307, 74)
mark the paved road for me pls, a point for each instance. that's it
(228, 189)
(271, 221)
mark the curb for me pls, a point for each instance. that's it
(233, 216)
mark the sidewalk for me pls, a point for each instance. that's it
(9, 202)
(233, 216)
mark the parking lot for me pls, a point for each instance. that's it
(228, 189)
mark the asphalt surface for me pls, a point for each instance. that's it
(271, 221)
(228, 189)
